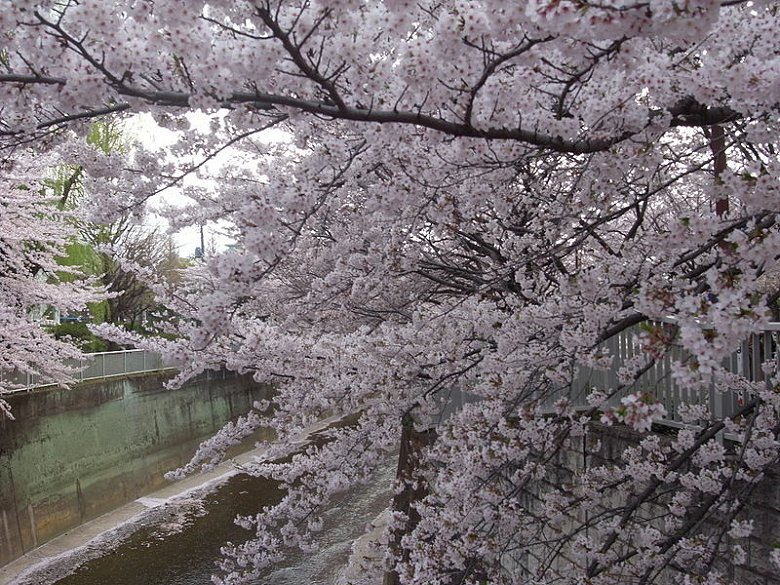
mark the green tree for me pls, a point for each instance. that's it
(115, 252)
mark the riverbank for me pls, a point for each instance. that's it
(72, 455)
(153, 539)
(62, 555)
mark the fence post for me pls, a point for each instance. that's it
(772, 354)
(718, 407)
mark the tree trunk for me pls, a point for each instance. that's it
(413, 443)
(718, 147)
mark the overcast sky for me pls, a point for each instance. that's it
(144, 129)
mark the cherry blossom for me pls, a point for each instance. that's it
(33, 233)
(475, 201)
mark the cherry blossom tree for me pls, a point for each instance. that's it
(475, 196)
(32, 234)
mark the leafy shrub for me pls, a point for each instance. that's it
(80, 335)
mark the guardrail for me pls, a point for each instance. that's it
(95, 366)
(747, 362)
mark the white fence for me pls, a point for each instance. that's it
(758, 349)
(95, 366)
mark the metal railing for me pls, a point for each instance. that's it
(95, 366)
(747, 362)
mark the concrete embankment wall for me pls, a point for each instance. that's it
(72, 455)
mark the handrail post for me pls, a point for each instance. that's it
(718, 407)
(773, 355)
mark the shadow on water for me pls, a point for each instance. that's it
(167, 554)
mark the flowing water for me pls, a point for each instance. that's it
(182, 547)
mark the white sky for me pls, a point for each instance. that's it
(145, 130)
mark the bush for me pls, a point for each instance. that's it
(80, 335)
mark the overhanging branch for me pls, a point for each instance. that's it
(689, 112)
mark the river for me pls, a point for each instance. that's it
(182, 545)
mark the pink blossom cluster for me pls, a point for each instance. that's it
(638, 411)
(465, 209)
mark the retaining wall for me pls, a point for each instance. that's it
(72, 455)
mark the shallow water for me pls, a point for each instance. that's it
(183, 547)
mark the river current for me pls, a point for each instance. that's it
(183, 546)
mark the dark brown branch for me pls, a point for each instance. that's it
(20, 78)
(717, 138)
(309, 70)
(689, 112)
(490, 69)
(60, 120)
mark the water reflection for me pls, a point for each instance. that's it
(184, 547)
